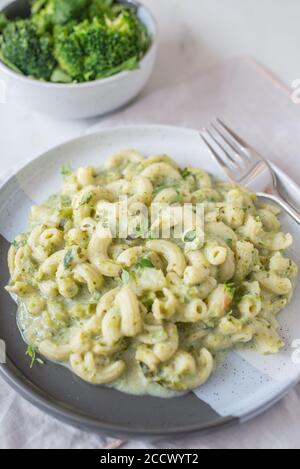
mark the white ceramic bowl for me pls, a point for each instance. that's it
(83, 100)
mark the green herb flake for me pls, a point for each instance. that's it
(152, 235)
(31, 352)
(65, 201)
(239, 293)
(141, 229)
(229, 243)
(18, 244)
(125, 277)
(66, 171)
(186, 173)
(68, 259)
(190, 236)
(148, 303)
(161, 188)
(230, 288)
(144, 263)
(86, 199)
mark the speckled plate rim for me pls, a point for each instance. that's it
(12, 376)
(34, 396)
(29, 392)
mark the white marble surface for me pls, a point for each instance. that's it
(199, 33)
(194, 34)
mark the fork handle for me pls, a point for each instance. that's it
(294, 214)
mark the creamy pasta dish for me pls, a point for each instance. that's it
(141, 274)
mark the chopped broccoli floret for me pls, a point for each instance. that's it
(99, 8)
(127, 37)
(67, 41)
(230, 289)
(48, 13)
(3, 22)
(101, 47)
(27, 51)
(68, 51)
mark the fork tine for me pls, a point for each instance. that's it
(215, 155)
(230, 143)
(222, 149)
(235, 137)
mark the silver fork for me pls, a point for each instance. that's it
(244, 165)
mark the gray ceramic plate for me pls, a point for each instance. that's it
(245, 386)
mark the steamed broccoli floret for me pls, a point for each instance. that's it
(68, 51)
(101, 47)
(74, 40)
(26, 50)
(108, 8)
(100, 7)
(3, 22)
(48, 13)
(128, 37)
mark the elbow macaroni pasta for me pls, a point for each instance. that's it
(142, 307)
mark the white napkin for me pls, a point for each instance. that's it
(260, 109)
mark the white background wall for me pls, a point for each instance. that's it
(199, 33)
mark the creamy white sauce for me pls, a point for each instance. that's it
(134, 382)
